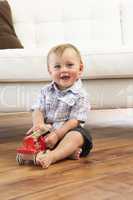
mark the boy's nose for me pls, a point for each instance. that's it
(64, 68)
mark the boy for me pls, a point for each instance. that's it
(63, 107)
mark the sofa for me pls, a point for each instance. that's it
(103, 32)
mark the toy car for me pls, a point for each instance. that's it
(32, 144)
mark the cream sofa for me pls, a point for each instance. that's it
(103, 32)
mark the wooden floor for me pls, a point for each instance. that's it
(106, 174)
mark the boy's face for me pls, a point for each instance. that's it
(65, 69)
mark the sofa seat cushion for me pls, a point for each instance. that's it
(26, 65)
(109, 63)
(8, 37)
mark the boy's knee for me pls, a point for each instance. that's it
(77, 136)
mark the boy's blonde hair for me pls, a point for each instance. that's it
(59, 49)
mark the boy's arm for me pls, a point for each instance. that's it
(37, 118)
(68, 125)
(38, 109)
(59, 133)
(38, 121)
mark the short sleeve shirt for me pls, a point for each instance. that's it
(61, 105)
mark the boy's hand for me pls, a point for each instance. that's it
(51, 140)
(41, 127)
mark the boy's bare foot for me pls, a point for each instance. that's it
(76, 154)
(44, 159)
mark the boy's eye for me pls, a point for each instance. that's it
(57, 66)
(70, 64)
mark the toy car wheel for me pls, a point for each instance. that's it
(34, 160)
(19, 159)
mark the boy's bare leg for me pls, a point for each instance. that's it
(67, 146)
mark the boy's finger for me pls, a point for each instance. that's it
(29, 131)
(46, 140)
(50, 146)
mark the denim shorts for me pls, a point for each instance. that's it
(87, 145)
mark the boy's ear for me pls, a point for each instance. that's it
(81, 69)
(81, 66)
(49, 70)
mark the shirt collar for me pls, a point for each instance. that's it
(75, 88)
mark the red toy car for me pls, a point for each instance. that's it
(32, 144)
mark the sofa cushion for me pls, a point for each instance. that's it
(8, 37)
(94, 24)
(31, 66)
(127, 21)
(109, 63)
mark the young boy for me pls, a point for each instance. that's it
(63, 107)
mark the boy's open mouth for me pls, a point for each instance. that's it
(65, 77)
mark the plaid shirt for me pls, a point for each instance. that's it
(59, 106)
